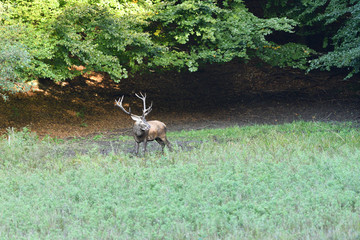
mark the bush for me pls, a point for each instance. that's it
(14, 59)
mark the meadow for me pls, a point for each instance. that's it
(299, 180)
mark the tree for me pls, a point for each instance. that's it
(198, 32)
(335, 21)
(96, 38)
(14, 59)
(119, 37)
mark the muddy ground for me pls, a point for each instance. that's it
(270, 110)
(216, 96)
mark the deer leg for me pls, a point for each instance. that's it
(145, 144)
(137, 147)
(168, 144)
(162, 144)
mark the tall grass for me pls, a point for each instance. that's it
(291, 181)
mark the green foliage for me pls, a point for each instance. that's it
(336, 20)
(291, 181)
(14, 59)
(198, 32)
(61, 36)
(97, 39)
(287, 55)
(346, 40)
(64, 39)
(34, 19)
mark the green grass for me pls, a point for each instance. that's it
(291, 181)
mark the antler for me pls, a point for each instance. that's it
(146, 111)
(119, 104)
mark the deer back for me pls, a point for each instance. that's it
(157, 130)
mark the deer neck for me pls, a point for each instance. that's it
(138, 132)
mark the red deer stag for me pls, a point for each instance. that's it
(143, 130)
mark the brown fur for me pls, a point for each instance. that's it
(156, 132)
(143, 130)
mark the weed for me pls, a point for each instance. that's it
(83, 124)
(98, 137)
(81, 113)
(15, 112)
(290, 181)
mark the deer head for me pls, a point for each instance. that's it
(140, 121)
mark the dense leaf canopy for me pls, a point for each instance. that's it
(335, 21)
(52, 38)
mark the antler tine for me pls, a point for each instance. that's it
(119, 104)
(148, 110)
(142, 96)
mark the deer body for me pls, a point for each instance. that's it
(157, 132)
(145, 131)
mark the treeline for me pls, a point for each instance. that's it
(51, 38)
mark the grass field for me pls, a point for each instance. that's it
(290, 181)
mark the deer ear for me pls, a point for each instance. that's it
(135, 118)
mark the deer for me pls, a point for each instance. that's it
(145, 131)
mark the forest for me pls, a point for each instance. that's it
(62, 39)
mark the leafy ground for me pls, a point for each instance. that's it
(102, 125)
(216, 96)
